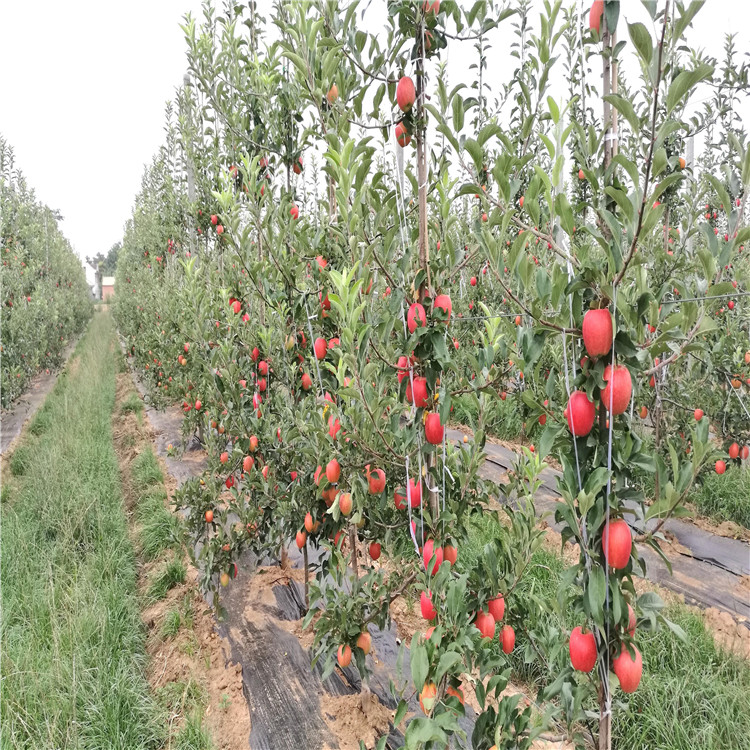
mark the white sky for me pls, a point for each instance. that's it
(84, 84)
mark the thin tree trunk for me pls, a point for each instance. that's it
(425, 287)
(307, 578)
(353, 545)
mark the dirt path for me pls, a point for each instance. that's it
(190, 662)
(13, 420)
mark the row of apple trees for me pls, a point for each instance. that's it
(45, 298)
(335, 244)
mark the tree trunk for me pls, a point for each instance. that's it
(425, 288)
(307, 579)
(353, 545)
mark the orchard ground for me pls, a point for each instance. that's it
(110, 512)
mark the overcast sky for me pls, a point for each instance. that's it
(84, 84)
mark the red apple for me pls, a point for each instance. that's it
(618, 390)
(425, 604)
(416, 317)
(628, 669)
(430, 551)
(597, 332)
(582, 648)
(508, 639)
(405, 93)
(433, 429)
(496, 607)
(580, 413)
(443, 302)
(486, 624)
(617, 543)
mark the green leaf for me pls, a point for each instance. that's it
(642, 41)
(596, 592)
(685, 82)
(403, 707)
(419, 663)
(458, 113)
(625, 108)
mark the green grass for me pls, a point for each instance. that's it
(692, 695)
(160, 530)
(132, 404)
(20, 461)
(724, 497)
(503, 419)
(172, 574)
(193, 735)
(41, 422)
(72, 639)
(145, 469)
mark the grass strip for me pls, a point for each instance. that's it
(72, 639)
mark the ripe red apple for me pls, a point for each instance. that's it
(745, 452)
(617, 543)
(486, 624)
(247, 463)
(402, 135)
(344, 656)
(720, 467)
(734, 450)
(253, 443)
(430, 551)
(209, 516)
(375, 550)
(399, 500)
(425, 604)
(364, 642)
(496, 607)
(214, 219)
(224, 457)
(406, 93)
(628, 669)
(450, 553)
(306, 382)
(433, 429)
(376, 481)
(473, 281)
(420, 392)
(582, 648)
(618, 390)
(416, 317)
(595, 16)
(333, 93)
(309, 523)
(508, 638)
(321, 347)
(581, 175)
(333, 471)
(443, 302)
(580, 413)
(301, 538)
(237, 307)
(255, 354)
(298, 166)
(294, 212)
(597, 332)
(345, 503)
(415, 492)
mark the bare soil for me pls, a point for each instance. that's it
(196, 655)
